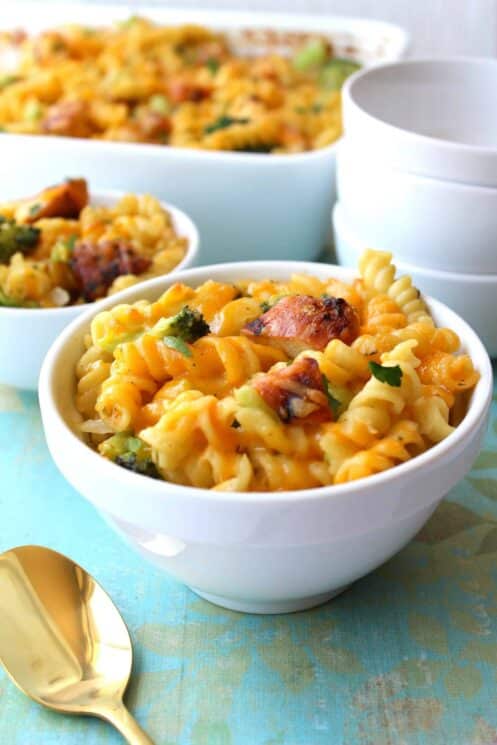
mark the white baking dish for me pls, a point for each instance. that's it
(247, 206)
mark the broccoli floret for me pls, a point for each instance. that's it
(129, 452)
(15, 238)
(145, 467)
(187, 325)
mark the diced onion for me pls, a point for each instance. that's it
(96, 427)
(59, 297)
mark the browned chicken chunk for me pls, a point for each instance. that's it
(296, 391)
(299, 322)
(69, 119)
(154, 126)
(63, 200)
(180, 89)
(96, 265)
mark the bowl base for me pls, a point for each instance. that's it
(269, 607)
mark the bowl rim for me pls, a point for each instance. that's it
(339, 221)
(346, 150)
(450, 146)
(145, 149)
(477, 408)
(113, 195)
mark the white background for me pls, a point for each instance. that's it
(438, 27)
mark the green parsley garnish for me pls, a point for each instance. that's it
(224, 122)
(271, 302)
(333, 402)
(174, 342)
(212, 65)
(389, 375)
(34, 209)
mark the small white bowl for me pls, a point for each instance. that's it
(472, 296)
(27, 333)
(270, 552)
(438, 224)
(434, 117)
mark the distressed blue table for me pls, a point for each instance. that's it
(407, 656)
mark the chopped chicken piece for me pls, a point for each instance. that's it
(63, 200)
(155, 126)
(299, 322)
(181, 89)
(69, 119)
(96, 265)
(296, 392)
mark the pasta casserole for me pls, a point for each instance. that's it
(272, 385)
(57, 249)
(184, 86)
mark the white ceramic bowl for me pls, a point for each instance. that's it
(243, 204)
(438, 224)
(472, 296)
(434, 117)
(27, 333)
(259, 552)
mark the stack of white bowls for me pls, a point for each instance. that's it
(417, 176)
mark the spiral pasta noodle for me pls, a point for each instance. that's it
(373, 409)
(383, 314)
(432, 416)
(341, 363)
(377, 271)
(408, 300)
(399, 445)
(91, 371)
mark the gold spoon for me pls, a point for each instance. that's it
(62, 639)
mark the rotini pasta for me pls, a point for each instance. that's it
(268, 385)
(400, 444)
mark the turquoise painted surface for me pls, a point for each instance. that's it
(408, 656)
